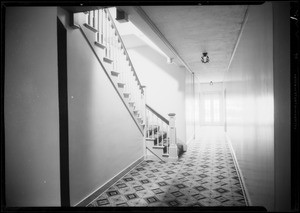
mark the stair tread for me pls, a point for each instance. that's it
(90, 27)
(158, 147)
(98, 44)
(150, 139)
(114, 73)
(121, 85)
(108, 60)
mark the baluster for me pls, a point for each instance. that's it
(113, 46)
(109, 38)
(102, 25)
(116, 52)
(152, 115)
(162, 132)
(147, 122)
(91, 18)
(106, 34)
(104, 30)
(127, 79)
(98, 26)
(113, 51)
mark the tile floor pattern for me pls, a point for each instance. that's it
(205, 175)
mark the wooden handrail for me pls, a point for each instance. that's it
(125, 50)
(158, 115)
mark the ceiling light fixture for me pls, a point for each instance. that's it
(205, 58)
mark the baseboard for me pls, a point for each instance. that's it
(90, 198)
(239, 172)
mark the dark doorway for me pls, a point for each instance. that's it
(63, 113)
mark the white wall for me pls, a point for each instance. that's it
(257, 105)
(165, 85)
(31, 116)
(103, 137)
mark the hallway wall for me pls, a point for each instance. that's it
(103, 138)
(250, 105)
(31, 114)
(258, 105)
(165, 84)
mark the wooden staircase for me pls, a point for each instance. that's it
(98, 27)
(101, 34)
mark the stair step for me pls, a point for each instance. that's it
(102, 46)
(115, 73)
(150, 139)
(90, 27)
(126, 94)
(131, 102)
(121, 85)
(158, 147)
(105, 59)
(165, 155)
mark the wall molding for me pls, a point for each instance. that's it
(157, 32)
(239, 38)
(239, 171)
(90, 198)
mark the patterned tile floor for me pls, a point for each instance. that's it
(205, 175)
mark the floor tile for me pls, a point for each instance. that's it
(205, 175)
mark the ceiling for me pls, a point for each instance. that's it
(191, 30)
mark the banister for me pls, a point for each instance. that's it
(158, 115)
(125, 50)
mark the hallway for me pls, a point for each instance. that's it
(205, 175)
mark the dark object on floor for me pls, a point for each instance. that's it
(180, 149)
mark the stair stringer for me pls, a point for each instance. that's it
(90, 37)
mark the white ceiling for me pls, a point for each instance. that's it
(191, 30)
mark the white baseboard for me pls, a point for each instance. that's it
(239, 172)
(90, 198)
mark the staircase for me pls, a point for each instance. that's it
(98, 28)
(100, 32)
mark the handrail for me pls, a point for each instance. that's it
(106, 72)
(158, 115)
(125, 50)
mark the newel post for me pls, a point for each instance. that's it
(145, 120)
(173, 152)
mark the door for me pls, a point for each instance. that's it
(211, 108)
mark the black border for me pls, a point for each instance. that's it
(294, 88)
(295, 159)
